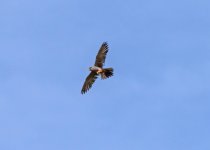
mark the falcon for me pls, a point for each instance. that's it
(97, 69)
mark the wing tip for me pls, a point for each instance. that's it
(105, 44)
(83, 91)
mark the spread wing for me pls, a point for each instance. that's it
(101, 56)
(89, 82)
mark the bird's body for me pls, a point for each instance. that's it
(98, 69)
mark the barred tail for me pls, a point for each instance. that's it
(107, 72)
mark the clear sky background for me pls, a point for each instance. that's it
(159, 98)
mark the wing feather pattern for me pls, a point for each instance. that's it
(89, 82)
(101, 56)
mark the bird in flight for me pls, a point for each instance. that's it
(97, 69)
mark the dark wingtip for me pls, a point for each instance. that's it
(82, 92)
(105, 43)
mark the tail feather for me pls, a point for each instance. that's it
(107, 72)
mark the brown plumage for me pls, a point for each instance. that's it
(98, 69)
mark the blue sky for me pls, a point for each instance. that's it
(158, 99)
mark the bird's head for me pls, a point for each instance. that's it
(90, 68)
